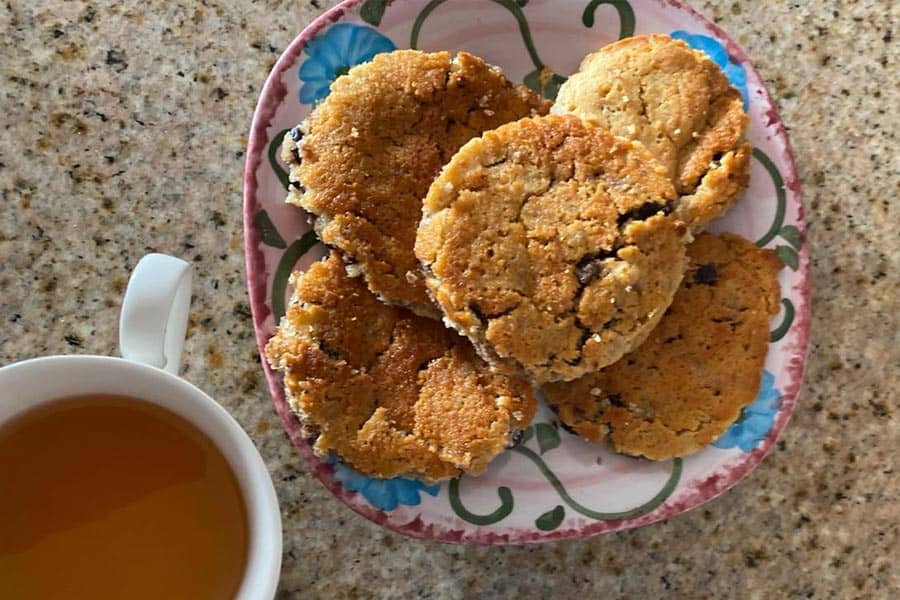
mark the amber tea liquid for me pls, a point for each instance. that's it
(109, 497)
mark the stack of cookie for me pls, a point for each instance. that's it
(482, 248)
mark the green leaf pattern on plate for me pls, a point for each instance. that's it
(268, 231)
(551, 519)
(792, 236)
(788, 256)
(547, 436)
(372, 11)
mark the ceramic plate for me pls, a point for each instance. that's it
(552, 485)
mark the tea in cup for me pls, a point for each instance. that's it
(118, 479)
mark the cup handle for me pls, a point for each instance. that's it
(155, 312)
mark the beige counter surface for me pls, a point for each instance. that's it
(123, 130)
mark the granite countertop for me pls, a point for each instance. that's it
(124, 130)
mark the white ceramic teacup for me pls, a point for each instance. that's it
(151, 336)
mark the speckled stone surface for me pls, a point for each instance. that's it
(123, 132)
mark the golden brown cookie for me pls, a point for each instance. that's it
(371, 148)
(687, 383)
(388, 391)
(676, 102)
(547, 243)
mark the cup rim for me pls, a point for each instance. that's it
(263, 567)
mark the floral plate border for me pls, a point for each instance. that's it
(388, 502)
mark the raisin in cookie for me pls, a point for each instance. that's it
(676, 102)
(547, 243)
(687, 383)
(363, 160)
(388, 391)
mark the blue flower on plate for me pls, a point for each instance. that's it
(331, 54)
(716, 51)
(384, 494)
(755, 421)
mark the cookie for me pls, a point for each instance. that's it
(547, 243)
(363, 160)
(390, 392)
(687, 383)
(676, 102)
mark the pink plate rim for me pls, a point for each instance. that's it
(714, 485)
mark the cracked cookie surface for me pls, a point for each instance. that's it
(546, 242)
(676, 102)
(687, 383)
(390, 392)
(363, 160)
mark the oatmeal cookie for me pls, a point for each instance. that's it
(548, 244)
(687, 383)
(363, 160)
(676, 102)
(390, 392)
